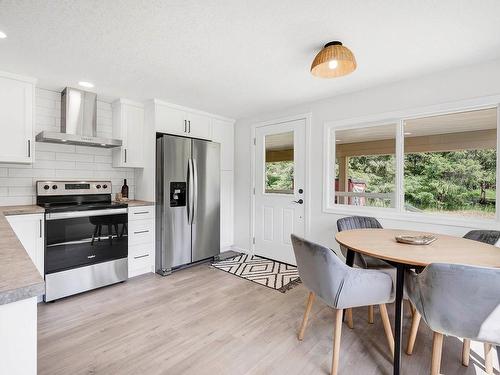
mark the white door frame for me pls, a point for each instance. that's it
(307, 117)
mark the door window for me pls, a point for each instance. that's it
(279, 163)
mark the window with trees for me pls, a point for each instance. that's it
(450, 163)
(442, 164)
(279, 163)
(366, 166)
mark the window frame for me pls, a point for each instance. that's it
(398, 212)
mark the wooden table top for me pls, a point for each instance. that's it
(381, 243)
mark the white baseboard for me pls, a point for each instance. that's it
(240, 249)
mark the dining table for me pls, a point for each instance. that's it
(382, 244)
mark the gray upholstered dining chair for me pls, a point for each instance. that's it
(340, 287)
(360, 222)
(458, 300)
(490, 237)
(363, 261)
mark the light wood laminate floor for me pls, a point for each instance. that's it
(205, 321)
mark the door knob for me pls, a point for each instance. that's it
(300, 201)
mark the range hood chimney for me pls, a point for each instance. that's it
(78, 122)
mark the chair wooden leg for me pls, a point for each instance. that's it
(336, 341)
(387, 327)
(310, 301)
(466, 352)
(348, 318)
(370, 314)
(437, 350)
(410, 308)
(413, 332)
(488, 358)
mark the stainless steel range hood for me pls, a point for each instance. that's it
(78, 122)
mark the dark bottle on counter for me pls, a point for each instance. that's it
(125, 189)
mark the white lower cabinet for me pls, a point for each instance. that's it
(30, 231)
(141, 237)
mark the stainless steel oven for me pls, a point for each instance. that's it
(86, 238)
(81, 238)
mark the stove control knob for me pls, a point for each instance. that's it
(46, 187)
(98, 186)
(104, 186)
(54, 187)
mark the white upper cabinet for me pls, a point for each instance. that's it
(170, 120)
(128, 125)
(176, 120)
(16, 118)
(223, 132)
(199, 126)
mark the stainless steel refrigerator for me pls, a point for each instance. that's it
(187, 201)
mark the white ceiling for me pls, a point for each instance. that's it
(239, 58)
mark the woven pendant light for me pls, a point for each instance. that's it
(334, 60)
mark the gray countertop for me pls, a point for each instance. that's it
(19, 278)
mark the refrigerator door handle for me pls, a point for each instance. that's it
(188, 200)
(195, 190)
(191, 182)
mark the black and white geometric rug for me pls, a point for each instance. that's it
(270, 273)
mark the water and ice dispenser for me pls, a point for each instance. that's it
(178, 194)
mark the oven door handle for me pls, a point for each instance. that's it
(75, 214)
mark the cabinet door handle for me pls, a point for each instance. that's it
(189, 126)
(29, 147)
(40, 228)
(141, 256)
(185, 126)
(141, 231)
(125, 155)
(141, 212)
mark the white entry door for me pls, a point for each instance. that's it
(279, 189)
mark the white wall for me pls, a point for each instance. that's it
(452, 85)
(59, 162)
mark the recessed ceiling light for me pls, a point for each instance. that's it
(338, 140)
(408, 133)
(3, 35)
(86, 84)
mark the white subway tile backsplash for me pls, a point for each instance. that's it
(15, 182)
(38, 173)
(39, 146)
(14, 201)
(103, 159)
(57, 164)
(45, 122)
(59, 161)
(42, 102)
(16, 165)
(45, 155)
(84, 165)
(46, 111)
(22, 191)
(74, 174)
(74, 157)
(92, 150)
